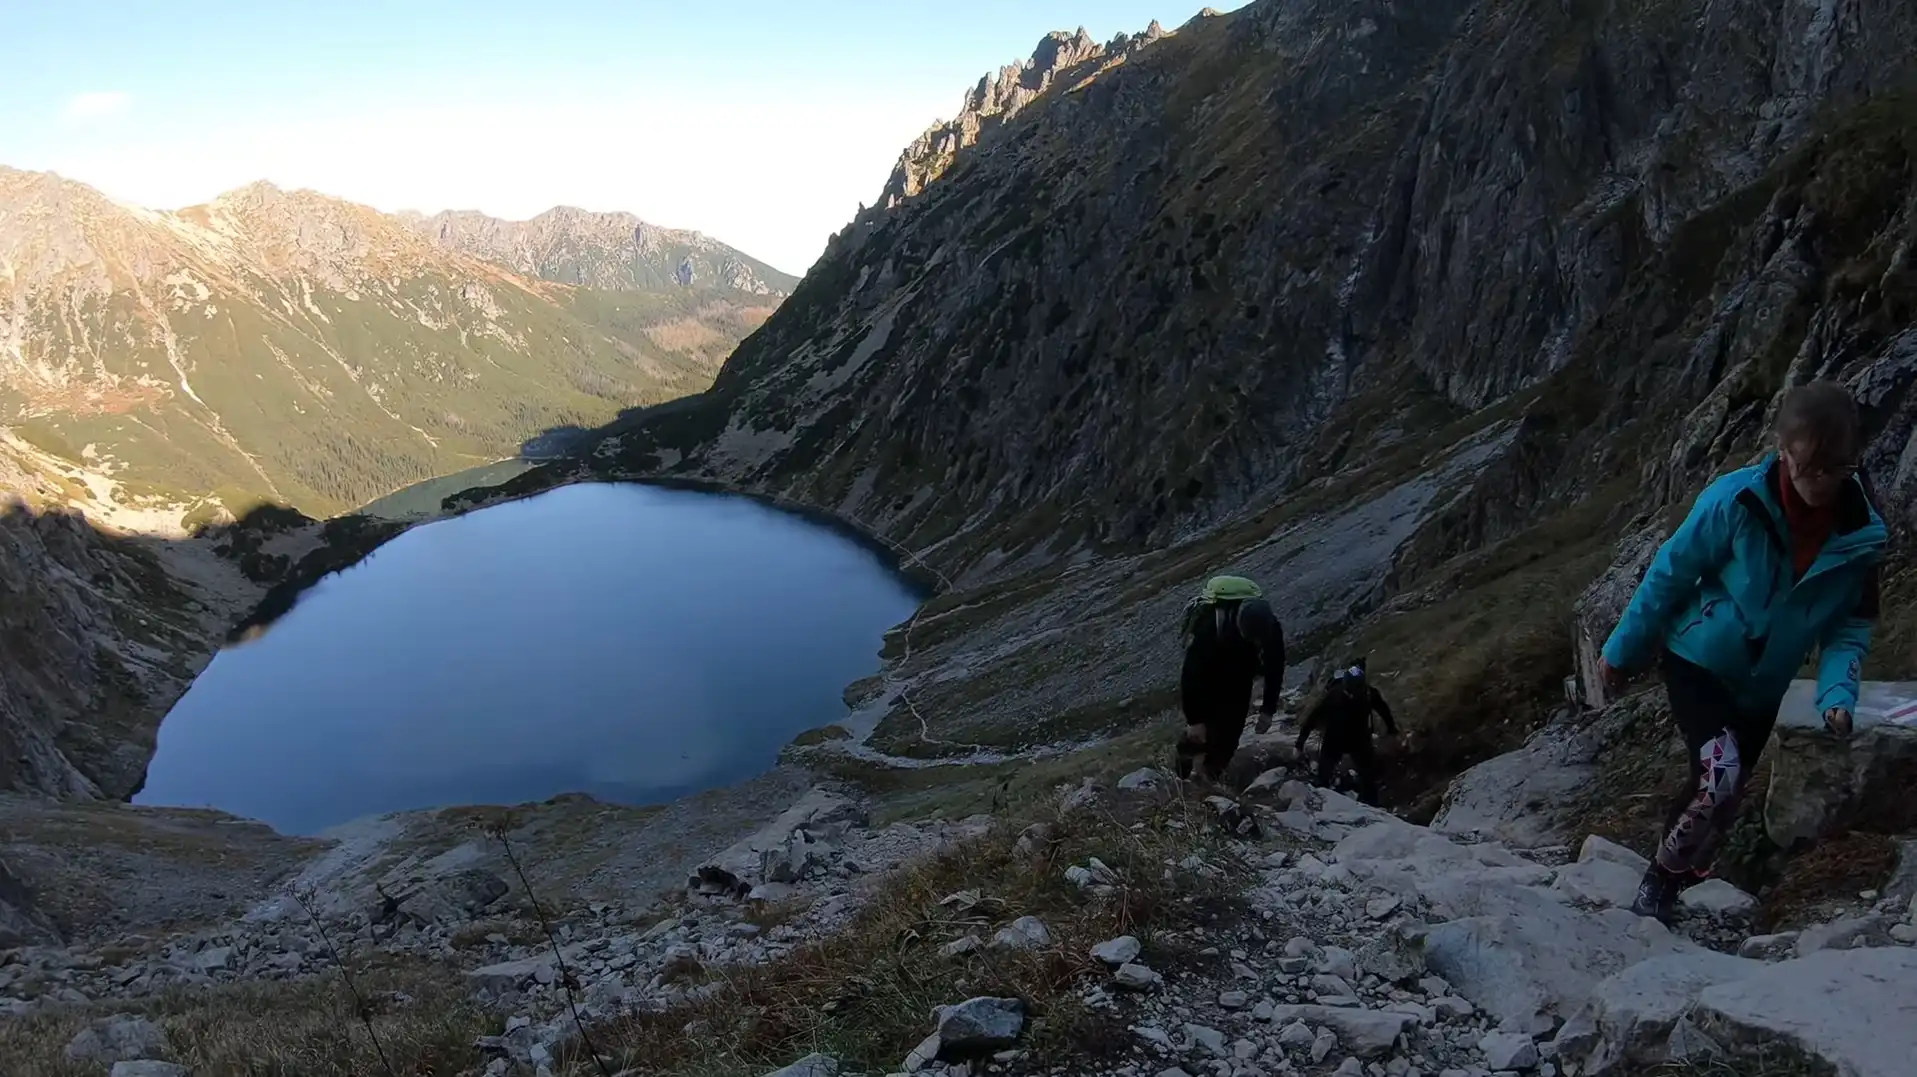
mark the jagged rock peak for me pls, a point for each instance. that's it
(996, 99)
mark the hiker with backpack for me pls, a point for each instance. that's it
(1232, 636)
(1345, 716)
(1773, 561)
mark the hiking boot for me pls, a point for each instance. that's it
(1657, 895)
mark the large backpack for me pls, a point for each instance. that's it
(1219, 599)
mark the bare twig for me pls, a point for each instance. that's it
(360, 1005)
(566, 982)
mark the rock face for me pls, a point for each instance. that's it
(1856, 1009)
(1015, 310)
(1819, 781)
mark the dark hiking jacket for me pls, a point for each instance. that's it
(1345, 714)
(1230, 644)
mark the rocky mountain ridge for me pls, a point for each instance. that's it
(609, 251)
(287, 345)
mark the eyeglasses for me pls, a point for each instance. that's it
(1821, 470)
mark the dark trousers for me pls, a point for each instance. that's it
(1220, 704)
(1358, 746)
(1723, 742)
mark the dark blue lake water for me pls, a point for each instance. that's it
(626, 641)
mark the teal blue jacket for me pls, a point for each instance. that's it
(1720, 595)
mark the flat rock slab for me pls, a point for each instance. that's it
(1629, 1016)
(814, 1065)
(1365, 1033)
(1854, 1009)
(1600, 882)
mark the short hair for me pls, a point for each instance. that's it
(1821, 418)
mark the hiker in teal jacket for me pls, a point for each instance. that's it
(1774, 561)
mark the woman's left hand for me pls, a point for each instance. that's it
(1837, 720)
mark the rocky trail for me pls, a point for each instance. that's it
(1354, 943)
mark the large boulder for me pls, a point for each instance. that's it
(1854, 1010)
(1628, 1018)
(1530, 797)
(1818, 780)
(116, 1039)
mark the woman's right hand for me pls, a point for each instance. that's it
(1612, 677)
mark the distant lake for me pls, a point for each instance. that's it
(634, 643)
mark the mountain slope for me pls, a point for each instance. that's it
(1411, 311)
(609, 251)
(293, 346)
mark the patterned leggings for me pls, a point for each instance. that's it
(1724, 743)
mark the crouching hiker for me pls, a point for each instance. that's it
(1774, 561)
(1232, 637)
(1345, 716)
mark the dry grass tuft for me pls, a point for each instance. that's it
(422, 1011)
(866, 994)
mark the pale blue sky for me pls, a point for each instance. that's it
(763, 123)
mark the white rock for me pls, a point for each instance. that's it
(1509, 1051)
(116, 1039)
(1365, 1033)
(1350, 1067)
(1523, 956)
(1136, 977)
(1769, 947)
(1233, 1000)
(1600, 882)
(1596, 848)
(147, 1068)
(1715, 897)
(1629, 1016)
(1024, 933)
(1904, 933)
(1323, 1044)
(510, 975)
(1840, 934)
(1119, 951)
(813, 1065)
(981, 1024)
(1153, 1035)
(1379, 908)
(1854, 1009)
(1142, 778)
(923, 1055)
(1209, 1039)
(1295, 1034)
(964, 944)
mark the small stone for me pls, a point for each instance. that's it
(1350, 1067)
(1333, 986)
(965, 945)
(1173, 1072)
(1025, 933)
(1323, 1044)
(1119, 951)
(1509, 1051)
(1296, 1034)
(1715, 897)
(1868, 895)
(813, 1065)
(1379, 908)
(1142, 778)
(1904, 933)
(145, 1067)
(1210, 1039)
(1135, 977)
(1768, 947)
(1153, 1035)
(1233, 1000)
(981, 1024)
(1261, 1011)
(1452, 1008)
(923, 1055)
